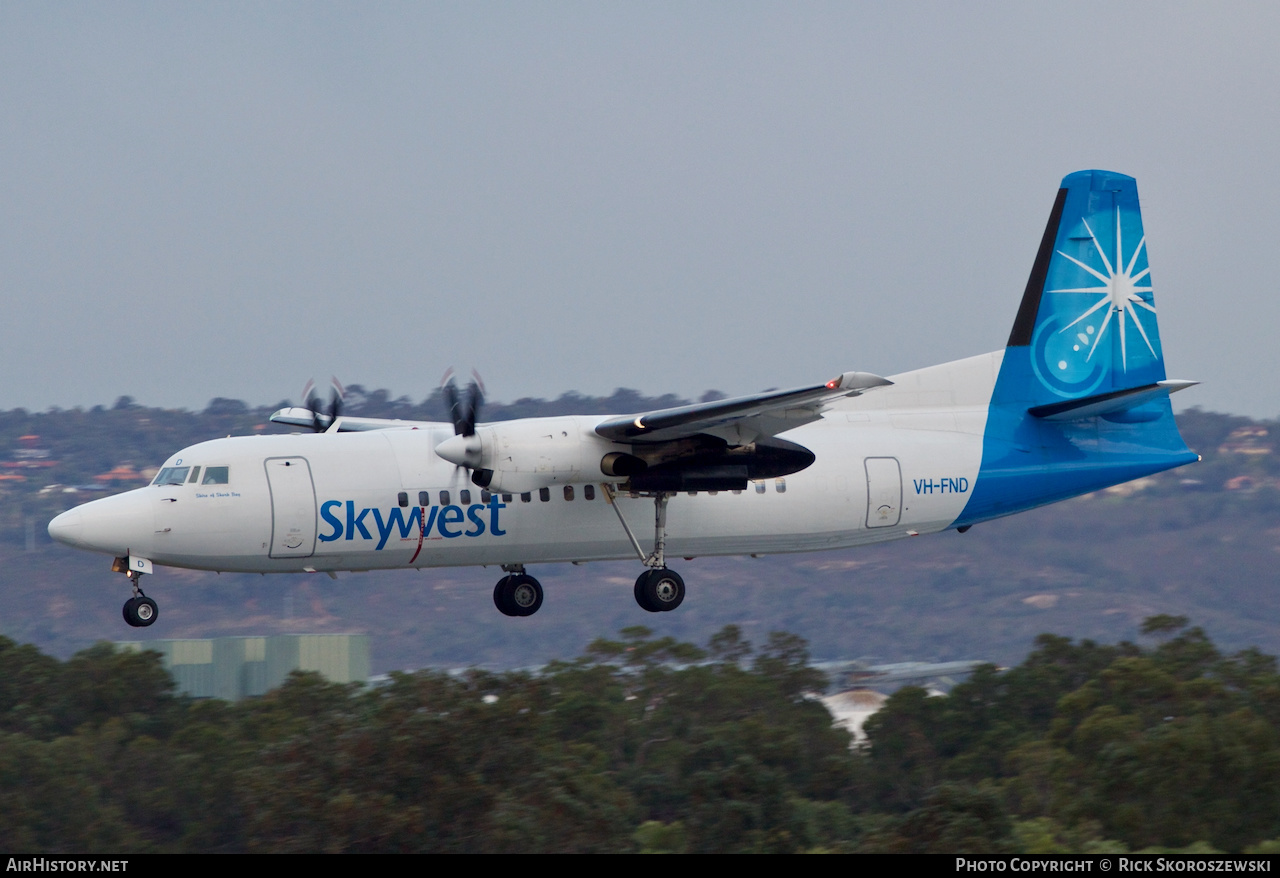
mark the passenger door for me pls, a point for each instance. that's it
(293, 507)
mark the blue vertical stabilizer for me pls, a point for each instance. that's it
(1081, 401)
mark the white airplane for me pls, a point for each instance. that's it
(1076, 401)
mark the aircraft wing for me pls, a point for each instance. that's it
(743, 419)
(304, 417)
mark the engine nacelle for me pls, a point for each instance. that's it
(517, 456)
(536, 453)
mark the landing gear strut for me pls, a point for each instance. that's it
(517, 593)
(140, 610)
(659, 588)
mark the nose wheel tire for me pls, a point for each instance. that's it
(659, 590)
(140, 612)
(517, 595)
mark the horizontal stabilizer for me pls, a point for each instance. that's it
(1109, 403)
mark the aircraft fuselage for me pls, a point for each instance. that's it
(384, 499)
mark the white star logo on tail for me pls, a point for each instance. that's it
(1119, 289)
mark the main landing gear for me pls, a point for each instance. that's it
(659, 588)
(139, 611)
(517, 593)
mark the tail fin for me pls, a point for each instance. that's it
(1081, 400)
(1087, 323)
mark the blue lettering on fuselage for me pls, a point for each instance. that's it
(944, 485)
(447, 521)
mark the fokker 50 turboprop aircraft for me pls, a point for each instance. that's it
(1076, 401)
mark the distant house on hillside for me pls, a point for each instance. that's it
(30, 449)
(29, 454)
(1246, 440)
(122, 473)
(852, 708)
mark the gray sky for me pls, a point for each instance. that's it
(227, 199)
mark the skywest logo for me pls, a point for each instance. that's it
(447, 521)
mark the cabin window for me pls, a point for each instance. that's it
(780, 485)
(544, 494)
(736, 491)
(424, 498)
(172, 475)
(526, 497)
(484, 496)
(588, 492)
(195, 475)
(464, 497)
(759, 487)
(444, 498)
(506, 498)
(568, 492)
(216, 475)
(403, 498)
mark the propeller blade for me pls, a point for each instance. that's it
(464, 408)
(335, 400)
(455, 406)
(471, 412)
(322, 417)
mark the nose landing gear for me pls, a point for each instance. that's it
(139, 611)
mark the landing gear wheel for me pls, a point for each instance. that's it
(517, 595)
(141, 611)
(659, 590)
(499, 599)
(639, 593)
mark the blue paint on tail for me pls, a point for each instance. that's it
(1086, 331)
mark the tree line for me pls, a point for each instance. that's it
(645, 743)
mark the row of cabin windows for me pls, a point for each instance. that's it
(464, 496)
(544, 494)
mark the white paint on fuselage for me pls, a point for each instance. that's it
(931, 421)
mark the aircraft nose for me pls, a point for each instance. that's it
(65, 528)
(114, 525)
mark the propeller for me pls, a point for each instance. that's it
(464, 450)
(464, 409)
(322, 420)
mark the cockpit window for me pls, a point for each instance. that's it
(216, 475)
(172, 475)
